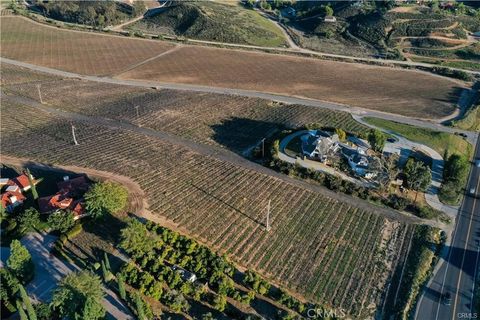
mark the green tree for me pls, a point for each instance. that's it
(21, 312)
(137, 241)
(32, 185)
(342, 135)
(107, 261)
(139, 308)
(104, 198)
(26, 302)
(220, 302)
(328, 10)
(79, 295)
(61, 221)
(418, 176)
(121, 287)
(20, 262)
(377, 140)
(105, 275)
(28, 220)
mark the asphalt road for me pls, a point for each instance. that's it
(460, 267)
(423, 123)
(49, 270)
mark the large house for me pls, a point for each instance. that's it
(359, 161)
(69, 197)
(319, 145)
(12, 191)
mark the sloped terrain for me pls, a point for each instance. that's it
(206, 20)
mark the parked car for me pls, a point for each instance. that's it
(477, 163)
(472, 191)
(447, 299)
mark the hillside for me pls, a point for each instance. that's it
(417, 33)
(214, 22)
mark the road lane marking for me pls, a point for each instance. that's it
(451, 244)
(465, 248)
(474, 278)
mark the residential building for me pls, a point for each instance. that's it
(319, 145)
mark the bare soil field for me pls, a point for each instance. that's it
(319, 247)
(398, 91)
(80, 52)
(404, 92)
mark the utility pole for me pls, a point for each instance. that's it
(73, 134)
(138, 114)
(39, 93)
(263, 148)
(268, 215)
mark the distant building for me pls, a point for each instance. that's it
(358, 161)
(330, 19)
(12, 195)
(289, 12)
(319, 145)
(69, 197)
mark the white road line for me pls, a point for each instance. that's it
(474, 278)
(464, 250)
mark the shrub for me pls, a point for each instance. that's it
(105, 198)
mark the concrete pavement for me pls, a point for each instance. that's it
(49, 270)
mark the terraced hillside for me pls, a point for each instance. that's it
(207, 20)
(323, 248)
(418, 33)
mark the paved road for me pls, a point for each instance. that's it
(424, 123)
(49, 270)
(459, 266)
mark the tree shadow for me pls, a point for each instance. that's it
(241, 134)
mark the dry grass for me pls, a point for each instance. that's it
(80, 52)
(404, 92)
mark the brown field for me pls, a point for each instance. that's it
(326, 249)
(80, 52)
(404, 92)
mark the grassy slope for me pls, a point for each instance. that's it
(471, 121)
(214, 22)
(443, 143)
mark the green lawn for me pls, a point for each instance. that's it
(444, 143)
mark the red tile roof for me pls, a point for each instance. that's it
(78, 183)
(6, 198)
(21, 181)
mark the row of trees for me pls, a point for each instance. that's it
(94, 13)
(455, 176)
(153, 274)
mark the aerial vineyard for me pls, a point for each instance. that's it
(81, 52)
(318, 246)
(232, 122)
